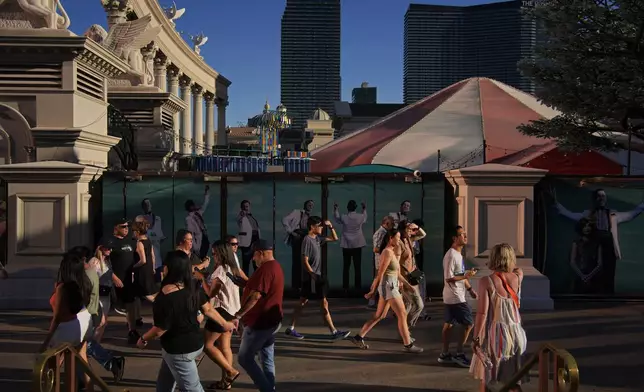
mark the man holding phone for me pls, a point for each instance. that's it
(314, 285)
(457, 310)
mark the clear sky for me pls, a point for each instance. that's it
(244, 44)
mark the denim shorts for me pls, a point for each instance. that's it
(459, 314)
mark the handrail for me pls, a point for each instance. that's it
(47, 378)
(565, 368)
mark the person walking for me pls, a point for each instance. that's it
(386, 224)
(352, 241)
(457, 310)
(261, 314)
(415, 303)
(499, 339)
(175, 311)
(314, 285)
(387, 283)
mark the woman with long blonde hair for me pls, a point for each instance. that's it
(499, 339)
(221, 286)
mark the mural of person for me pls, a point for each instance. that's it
(605, 223)
(197, 225)
(402, 215)
(249, 233)
(352, 240)
(586, 259)
(155, 231)
(295, 225)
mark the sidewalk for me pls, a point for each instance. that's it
(605, 339)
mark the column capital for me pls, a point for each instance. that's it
(221, 102)
(149, 51)
(197, 90)
(209, 97)
(173, 71)
(161, 61)
(185, 82)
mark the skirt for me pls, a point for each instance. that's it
(74, 332)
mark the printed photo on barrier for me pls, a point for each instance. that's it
(350, 263)
(295, 202)
(433, 222)
(250, 217)
(197, 209)
(593, 232)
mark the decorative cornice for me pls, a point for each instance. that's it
(144, 7)
(174, 105)
(52, 137)
(49, 172)
(129, 98)
(102, 60)
(495, 174)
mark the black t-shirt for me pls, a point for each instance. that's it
(173, 315)
(122, 256)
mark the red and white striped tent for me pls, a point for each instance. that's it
(468, 123)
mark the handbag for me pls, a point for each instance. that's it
(104, 291)
(415, 277)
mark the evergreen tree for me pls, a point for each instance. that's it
(590, 67)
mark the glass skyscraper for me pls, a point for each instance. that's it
(310, 69)
(446, 44)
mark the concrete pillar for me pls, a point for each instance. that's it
(210, 122)
(496, 205)
(160, 71)
(197, 96)
(185, 141)
(173, 78)
(222, 136)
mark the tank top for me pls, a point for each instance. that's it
(394, 266)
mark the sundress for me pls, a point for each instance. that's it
(504, 341)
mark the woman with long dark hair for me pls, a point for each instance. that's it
(175, 312)
(388, 282)
(71, 322)
(224, 293)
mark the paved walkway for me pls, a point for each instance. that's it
(607, 341)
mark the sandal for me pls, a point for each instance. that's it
(228, 381)
(219, 385)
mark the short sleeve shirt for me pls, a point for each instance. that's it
(122, 257)
(268, 280)
(378, 236)
(228, 297)
(453, 293)
(311, 248)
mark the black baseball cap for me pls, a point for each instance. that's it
(261, 245)
(121, 221)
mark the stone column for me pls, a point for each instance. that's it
(197, 96)
(173, 77)
(210, 122)
(160, 72)
(185, 141)
(496, 205)
(222, 136)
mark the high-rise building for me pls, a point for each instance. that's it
(446, 44)
(364, 94)
(310, 74)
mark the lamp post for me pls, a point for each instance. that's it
(267, 127)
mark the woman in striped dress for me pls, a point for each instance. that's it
(500, 340)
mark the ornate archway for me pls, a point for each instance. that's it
(16, 141)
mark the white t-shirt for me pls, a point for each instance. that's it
(228, 296)
(453, 293)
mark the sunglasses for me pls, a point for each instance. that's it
(123, 226)
(234, 243)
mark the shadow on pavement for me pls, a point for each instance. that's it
(323, 387)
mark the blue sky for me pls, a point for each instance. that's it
(244, 44)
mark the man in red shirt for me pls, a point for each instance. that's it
(262, 314)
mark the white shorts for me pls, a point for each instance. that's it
(74, 331)
(388, 288)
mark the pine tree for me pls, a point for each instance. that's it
(590, 67)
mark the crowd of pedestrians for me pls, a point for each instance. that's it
(188, 290)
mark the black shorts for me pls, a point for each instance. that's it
(212, 326)
(458, 314)
(314, 289)
(126, 294)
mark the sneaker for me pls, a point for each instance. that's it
(358, 341)
(117, 367)
(412, 340)
(293, 333)
(339, 335)
(413, 349)
(445, 358)
(461, 360)
(139, 322)
(133, 337)
(120, 311)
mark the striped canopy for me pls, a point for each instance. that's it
(446, 130)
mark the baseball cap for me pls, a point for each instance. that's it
(261, 245)
(121, 221)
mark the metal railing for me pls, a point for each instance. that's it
(55, 370)
(565, 375)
